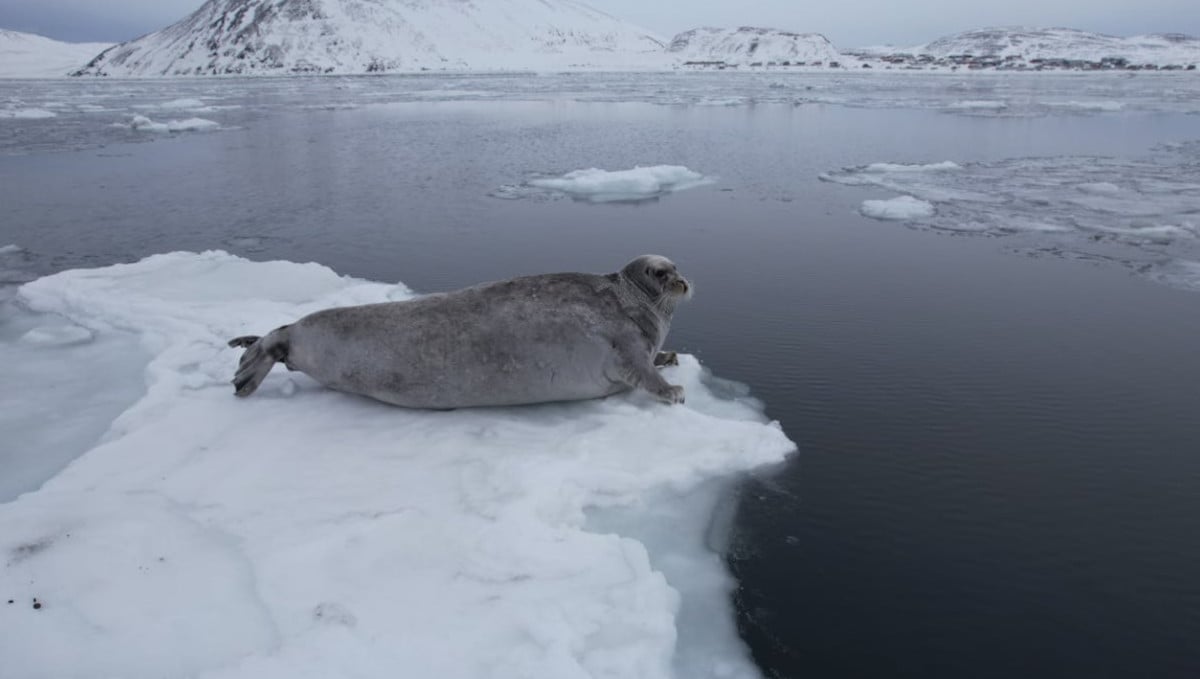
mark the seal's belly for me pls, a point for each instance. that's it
(447, 365)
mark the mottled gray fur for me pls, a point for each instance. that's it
(555, 337)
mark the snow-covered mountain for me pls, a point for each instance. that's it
(1065, 43)
(360, 36)
(25, 55)
(749, 45)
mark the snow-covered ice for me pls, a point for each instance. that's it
(1087, 105)
(141, 123)
(640, 183)
(974, 104)
(182, 104)
(902, 208)
(26, 113)
(1143, 211)
(309, 533)
(900, 167)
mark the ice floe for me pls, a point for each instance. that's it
(1087, 105)
(977, 104)
(309, 533)
(899, 209)
(640, 183)
(26, 113)
(140, 123)
(182, 104)
(1145, 211)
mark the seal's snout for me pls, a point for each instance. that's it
(680, 287)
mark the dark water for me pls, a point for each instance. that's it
(999, 466)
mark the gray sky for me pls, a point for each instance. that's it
(848, 23)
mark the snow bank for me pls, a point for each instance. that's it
(901, 209)
(308, 533)
(640, 183)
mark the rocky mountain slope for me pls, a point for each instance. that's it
(361, 36)
(1064, 44)
(749, 45)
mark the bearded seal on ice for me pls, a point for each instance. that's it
(534, 339)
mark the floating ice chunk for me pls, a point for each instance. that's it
(26, 113)
(601, 186)
(1177, 273)
(142, 123)
(334, 535)
(894, 167)
(977, 105)
(182, 104)
(1106, 106)
(1138, 210)
(10, 250)
(191, 124)
(902, 208)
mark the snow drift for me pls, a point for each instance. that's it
(308, 533)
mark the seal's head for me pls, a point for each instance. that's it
(658, 278)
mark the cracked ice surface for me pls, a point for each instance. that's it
(1142, 213)
(308, 533)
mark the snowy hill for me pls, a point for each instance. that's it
(1039, 48)
(361, 36)
(25, 55)
(1066, 43)
(749, 45)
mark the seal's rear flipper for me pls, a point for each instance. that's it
(261, 355)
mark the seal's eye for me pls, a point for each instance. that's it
(660, 274)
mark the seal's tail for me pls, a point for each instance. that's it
(262, 353)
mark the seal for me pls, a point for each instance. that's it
(534, 339)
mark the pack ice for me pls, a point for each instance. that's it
(308, 533)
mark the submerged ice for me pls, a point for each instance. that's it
(308, 533)
(1143, 213)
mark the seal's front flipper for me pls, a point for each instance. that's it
(666, 358)
(639, 372)
(260, 356)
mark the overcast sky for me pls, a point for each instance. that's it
(848, 23)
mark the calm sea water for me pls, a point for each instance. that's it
(999, 454)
